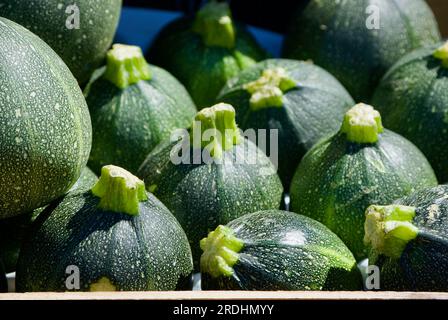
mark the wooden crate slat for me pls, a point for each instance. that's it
(226, 295)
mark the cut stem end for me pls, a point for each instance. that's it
(442, 54)
(214, 24)
(215, 129)
(119, 191)
(268, 90)
(221, 249)
(388, 229)
(362, 124)
(126, 66)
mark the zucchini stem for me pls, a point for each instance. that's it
(119, 191)
(214, 24)
(388, 229)
(221, 249)
(215, 129)
(268, 90)
(442, 54)
(362, 124)
(126, 66)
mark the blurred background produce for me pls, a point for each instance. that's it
(268, 16)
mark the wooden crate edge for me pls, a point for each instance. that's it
(227, 295)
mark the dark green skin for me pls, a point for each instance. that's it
(45, 127)
(136, 253)
(85, 182)
(128, 123)
(203, 70)
(286, 251)
(337, 180)
(423, 263)
(83, 49)
(413, 99)
(203, 196)
(13, 230)
(334, 35)
(313, 110)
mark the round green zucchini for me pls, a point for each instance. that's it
(277, 250)
(204, 52)
(359, 40)
(79, 31)
(13, 230)
(45, 131)
(133, 107)
(231, 176)
(118, 236)
(361, 165)
(409, 241)
(413, 99)
(300, 100)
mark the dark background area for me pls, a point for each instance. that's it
(268, 14)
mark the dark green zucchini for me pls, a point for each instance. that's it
(117, 235)
(300, 100)
(359, 40)
(277, 250)
(215, 179)
(13, 230)
(409, 241)
(133, 107)
(204, 52)
(413, 98)
(361, 165)
(45, 131)
(82, 46)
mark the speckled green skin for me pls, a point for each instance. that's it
(334, 35)
(424, 260)
(286, 251)
(145, 252)
(203, 70)
(203, 196)
(312, 111)
(128, 123)
(413, 99)
(85, 182)
(45, 129)
(13, 230)
(337, 180)
(82, 49)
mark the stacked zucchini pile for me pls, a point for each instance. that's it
(144, 176)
